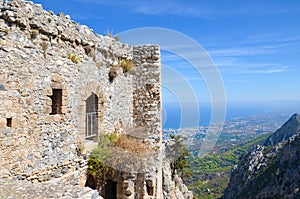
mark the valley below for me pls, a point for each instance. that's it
(209, 175)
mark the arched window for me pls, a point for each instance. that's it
(92, 117)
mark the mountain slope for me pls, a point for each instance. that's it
(291, 127)
(211, 173)
(272, 170)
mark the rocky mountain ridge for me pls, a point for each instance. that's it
(271, 170)
(285, 132)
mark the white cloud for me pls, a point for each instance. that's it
(235, 65)
(154, 7)
(266, 71)
(212, 9)
(241, 51)
(273, 38)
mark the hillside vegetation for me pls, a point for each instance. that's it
(210, 174)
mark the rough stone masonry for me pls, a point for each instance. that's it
(61, 86)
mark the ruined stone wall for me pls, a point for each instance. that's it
(39, 52)
(147, 89)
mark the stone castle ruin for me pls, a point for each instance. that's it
(62, 86)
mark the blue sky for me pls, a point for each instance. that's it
(254, 44)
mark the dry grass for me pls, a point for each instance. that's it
(131, 144)
(44, 46)
(34, 33)
(73, 58)
(113, 73)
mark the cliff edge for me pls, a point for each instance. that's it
(271, 170)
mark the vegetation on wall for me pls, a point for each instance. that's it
(126, 64)
(80, 148)
(113, 73)
(34, 33)
(73, 58)
(99, 64)
(180, 160)
(97, 167)
(110, 34)
(105, 152)
(44, 46)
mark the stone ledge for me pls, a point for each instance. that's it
(54, 189)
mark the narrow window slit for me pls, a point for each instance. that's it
(56, 101)
(9, 122)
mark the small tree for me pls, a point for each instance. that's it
(180, 161)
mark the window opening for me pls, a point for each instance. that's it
(92, 116)
(56, 101)
(9, 122)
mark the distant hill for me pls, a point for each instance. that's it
(271, 170)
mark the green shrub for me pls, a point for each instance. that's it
(99, 64)
(99, 155)
(80, 148)
(181, 163)
(126, 64)
(117, 38)
(113, 137)
(73, 58)
(97, 159)
(34, 33)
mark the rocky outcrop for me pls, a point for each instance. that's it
(173, 185)
(272, 170)
(290, 128)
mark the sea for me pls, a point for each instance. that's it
(172, 113)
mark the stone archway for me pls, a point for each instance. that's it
(91, 113)
(91, 117)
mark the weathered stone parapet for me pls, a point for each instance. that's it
(147, 88)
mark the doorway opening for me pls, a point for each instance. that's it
(110, 189)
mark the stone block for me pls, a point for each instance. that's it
(65, 92)
(8, 104)
(56, 78)
(16, 122)
(2, 123)
(47, 109)
(48, 91)
(56, 118)
(48, 119)
(65, 101)
(29, 85)
(63, 109)
(37, 155)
